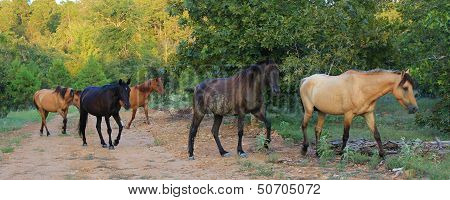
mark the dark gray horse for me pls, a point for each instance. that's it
(105, 102)
(238, 95)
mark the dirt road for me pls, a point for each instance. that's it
(158, 151)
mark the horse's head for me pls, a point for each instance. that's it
(404, 92)
(272, 75)
(124, 93)
(158, 85)
(65, 93)
(76, 98)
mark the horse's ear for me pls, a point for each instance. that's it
(407, 71)
(129, 81)
(72, 93)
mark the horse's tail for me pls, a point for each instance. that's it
(83, 121)
(300, 95)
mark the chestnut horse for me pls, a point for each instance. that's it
(139, 96)
(353, 93)
(238, 95)
(57, 100)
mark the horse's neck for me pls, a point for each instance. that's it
(378, 85)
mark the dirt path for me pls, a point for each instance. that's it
(158, 151)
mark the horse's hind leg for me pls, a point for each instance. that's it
(119, 123)
(262, 117)
(108, 125)
(133, 115)
(370, 120)
(306, 117)
(241, 152)
(196, 120)
(215, 132)
(45, 122)
(99, 131)
(41, 112)
(318, 129)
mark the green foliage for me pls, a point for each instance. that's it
(436, 117)
(91, 74)
(260, 141)
(23, 87)
(351, 156)
(324, 147)
(419, 164)
(58, 74)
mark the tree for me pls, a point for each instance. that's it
(90, 75)
(23, 87)
(58, 74)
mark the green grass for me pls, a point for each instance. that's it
(256, 169)
(18, 119)
(8, 149)
(393, 123)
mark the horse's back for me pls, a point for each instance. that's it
(215, 95)
(46, 99)
(99, 101)
(327, 93)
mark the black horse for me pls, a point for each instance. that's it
(105, 102)
(237, 95)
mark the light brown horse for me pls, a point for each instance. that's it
(57, 100)
(139, 96)
(351, 94)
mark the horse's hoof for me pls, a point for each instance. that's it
(226, 154)
(84, 144)
(191, 158)
(104, 145)
(243, 155)
(111, 147)
(116, 142)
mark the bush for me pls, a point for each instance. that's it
(324, 147)
(437, 117)
(58, 74)
(23, 87)
(91, 74)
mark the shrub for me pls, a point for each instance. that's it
(23, 87)
(58, 74)
(91, 74)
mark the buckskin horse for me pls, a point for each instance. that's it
(237, 95)
(57, 100)
(139, 96)
(104, 102)
(353, 93)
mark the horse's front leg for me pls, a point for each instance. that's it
(370, 120)
(240, 124)
(261, 115)
(119, 123)
(108, 125)
(348, 118)
(63, 114)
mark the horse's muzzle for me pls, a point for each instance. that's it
(412, 109)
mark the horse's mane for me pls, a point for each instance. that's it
(144, 87)
(61, 90)
(406, 77)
